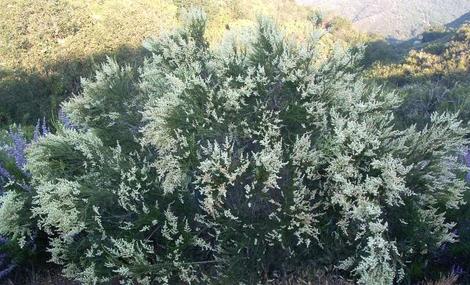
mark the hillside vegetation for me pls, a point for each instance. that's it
(397, 19)
(438, 59)
(433, 77)
(46, 46)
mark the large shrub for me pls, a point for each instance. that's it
(240, 164)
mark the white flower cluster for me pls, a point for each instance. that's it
(11, 208)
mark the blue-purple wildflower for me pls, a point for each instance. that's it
(457, 270)
(4, 177)
(40, 130)
(17, 148)
(65, 120)
(45, 129)
(4, 173)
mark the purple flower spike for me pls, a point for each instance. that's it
(40, 130)
(17, 150)
(65, 120)
(457, 270)
(45, 129)
(5, 173)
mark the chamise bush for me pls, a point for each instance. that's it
(240, 163)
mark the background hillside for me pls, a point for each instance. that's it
(46, 46)
(397, 19)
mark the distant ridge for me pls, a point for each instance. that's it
(459, 21)
(397, 19)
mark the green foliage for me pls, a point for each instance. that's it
(450, 62)
(434, 78)
(317, 18)
(110, 100)
(379, 51)
(421, 100)
(238, 164)
(47, 46)
(24, 244)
